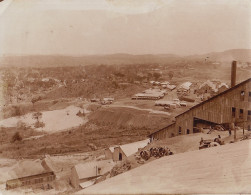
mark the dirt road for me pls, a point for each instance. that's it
(137, 108)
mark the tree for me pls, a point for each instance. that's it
(37, 116)
(16, 137)
(17, 111)
(35, 99)
(171, 74)
(156, 75)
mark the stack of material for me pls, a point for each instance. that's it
(156, 152)
(121, 169)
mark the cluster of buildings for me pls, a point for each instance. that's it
(86, 174)
(103, 101)
(165, 84)
(230, 106)
(150, 94)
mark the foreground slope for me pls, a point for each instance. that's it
(224, 169)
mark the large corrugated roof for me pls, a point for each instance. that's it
(230, 89)
(132, 148)
(26, 168)
(89, 169)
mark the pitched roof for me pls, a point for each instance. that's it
(26, 168)
(112, 148)
(88, 183)
(209, 84)
(161, 129)
(186, 85)
(230, 89)
(89, 169)
(132, 148)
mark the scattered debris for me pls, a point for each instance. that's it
(92, 146)
(156, 152)
(211, 143)
(121, 169)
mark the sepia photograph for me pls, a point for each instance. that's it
(125, 97)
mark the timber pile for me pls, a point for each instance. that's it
(121, 169)
(245, 137)
(156, 152)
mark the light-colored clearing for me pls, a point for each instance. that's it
(55, 120)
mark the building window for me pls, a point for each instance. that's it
(233, 112)
(249, 96)
(242, 95)
(249, 115)
(241, 114)
(99, 170)
(180, 131)
(120, 156)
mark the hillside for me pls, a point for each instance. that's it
(222, 169)
(60, 60)
(243, 55)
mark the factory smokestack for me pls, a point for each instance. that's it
(233, 73)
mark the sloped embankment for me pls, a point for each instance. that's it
(128, 118)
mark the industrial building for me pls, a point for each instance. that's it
(119, 153)
(30, 173)
(231, 106)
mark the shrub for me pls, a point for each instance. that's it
(39, 124)
(16, 137)
(21, 125)
(17, 111)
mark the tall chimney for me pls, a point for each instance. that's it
(233, 74)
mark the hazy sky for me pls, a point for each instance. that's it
(78, 27)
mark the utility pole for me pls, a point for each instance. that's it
(232, 127)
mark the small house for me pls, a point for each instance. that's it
(124, 151)
(185, 87)
(109, 152)
(87, 173)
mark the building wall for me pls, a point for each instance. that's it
(74, 178)
(116, 152)
(165, 133)
(108, 154)
(217, 110)
(30, 180)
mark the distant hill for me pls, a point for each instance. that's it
(243, 55)
(58, 60)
